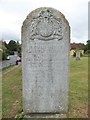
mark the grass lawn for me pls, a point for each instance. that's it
(12, 93)
(6, 68)
(0, 98)
(78, 90)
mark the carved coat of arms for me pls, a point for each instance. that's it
(46, 27)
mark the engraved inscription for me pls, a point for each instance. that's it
(46, 27)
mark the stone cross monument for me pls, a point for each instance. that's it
(45, 61)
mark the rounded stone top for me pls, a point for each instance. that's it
(45, 24)
(45, 12)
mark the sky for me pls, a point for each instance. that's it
(14, 12)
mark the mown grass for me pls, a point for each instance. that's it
(12, 93)
(78, 90)
(6, 68)
(0, 98)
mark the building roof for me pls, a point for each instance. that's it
(77, 46)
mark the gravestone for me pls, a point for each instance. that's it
(78, 55)
(45, 61)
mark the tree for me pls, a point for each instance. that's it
(10, 48)
(1, 50)
(4, 51)
(87, 47)
(12, 45)
(5, 44)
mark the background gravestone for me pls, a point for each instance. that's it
(77, 55)
(45, 61)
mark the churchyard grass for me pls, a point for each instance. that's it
(12, 93)
(6, 68)
(78, 90)
(0, 98)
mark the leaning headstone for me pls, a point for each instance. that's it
(45, 61)
(78, 55)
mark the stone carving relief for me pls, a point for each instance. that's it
(46, 26)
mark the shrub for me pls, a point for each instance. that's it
(87, 52)
(74, 54)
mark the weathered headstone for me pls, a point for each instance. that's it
(45, 61)
(77, 55)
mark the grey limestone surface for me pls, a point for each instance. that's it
(77, 55)
(45, 61)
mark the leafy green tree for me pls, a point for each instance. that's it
(88, 44)
(12, 45)
(8, 49)
(19, 49)
(1, 50)
(4, 51)
(5, 44)
(87, 47)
